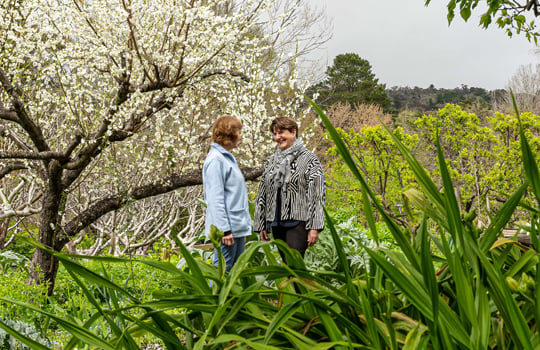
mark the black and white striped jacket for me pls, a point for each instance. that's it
(302, 198)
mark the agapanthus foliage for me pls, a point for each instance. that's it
(106, 102)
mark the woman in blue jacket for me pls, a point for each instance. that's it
(225, 191)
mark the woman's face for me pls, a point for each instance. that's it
(284, 138)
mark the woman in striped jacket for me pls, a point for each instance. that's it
(292, 190)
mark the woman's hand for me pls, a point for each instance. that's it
(264, 235)
(228, 240)
(312, 237)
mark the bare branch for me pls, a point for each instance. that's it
(133, 40)
(62, 157)
(19, 213)
(24, 120)
(11, 167)
(8, 207)
(73, 144)
(222, 72)
(8, 114)
(33, 155)
(91, 150)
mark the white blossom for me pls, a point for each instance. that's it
(70, 61)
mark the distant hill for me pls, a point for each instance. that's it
(418, 99)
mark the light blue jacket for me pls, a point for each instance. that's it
(225, 193)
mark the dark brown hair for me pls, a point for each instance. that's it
(284, 123)
(226, 130)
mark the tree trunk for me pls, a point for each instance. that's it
(43, 267)
(43, 270)
(4, 224)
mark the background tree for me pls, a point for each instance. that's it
(375, 156)
(345, 118)
(350, 81)
(483, 155)
(105, 104)
(381, 164)
(525, 84)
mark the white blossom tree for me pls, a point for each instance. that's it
(105, 104)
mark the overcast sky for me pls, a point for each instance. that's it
(409, 44)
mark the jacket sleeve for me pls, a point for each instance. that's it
(316, 195)
(261, 201)
(214, 188)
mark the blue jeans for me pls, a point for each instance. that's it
(230, 253)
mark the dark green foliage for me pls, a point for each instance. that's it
(206, 308)
(350, 81)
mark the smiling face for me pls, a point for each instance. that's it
(284, 138)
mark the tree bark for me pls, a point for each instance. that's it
(43, 267)
(4, 224)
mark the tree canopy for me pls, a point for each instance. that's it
(350, 80)
(513, 16)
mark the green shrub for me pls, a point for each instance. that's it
(14, 286)
(324, 255)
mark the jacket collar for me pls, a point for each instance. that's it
(221, 150)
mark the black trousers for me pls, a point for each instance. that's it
(295, 237)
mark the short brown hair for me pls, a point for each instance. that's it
(226, 130)
(284, 123)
